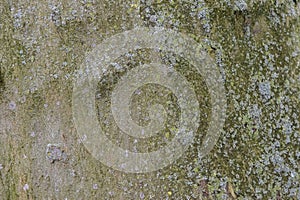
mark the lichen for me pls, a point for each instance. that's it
(255, 45)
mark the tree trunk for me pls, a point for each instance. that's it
(254, 45)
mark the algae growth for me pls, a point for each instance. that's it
(256, 47)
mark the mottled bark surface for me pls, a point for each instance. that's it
(255, 45)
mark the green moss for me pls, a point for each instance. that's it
(249, 45)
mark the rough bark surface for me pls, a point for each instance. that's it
(256, 46)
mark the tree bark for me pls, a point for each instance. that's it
(255, 45)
